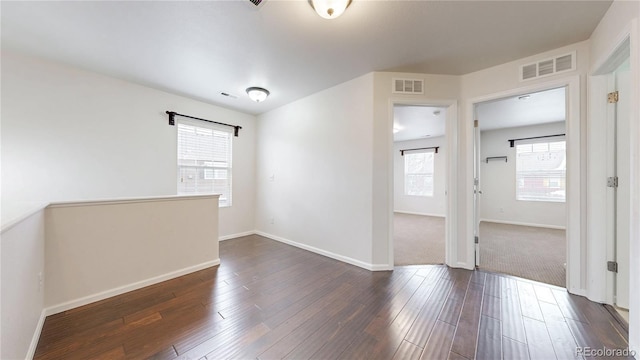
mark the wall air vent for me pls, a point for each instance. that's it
(408, 86)
(548, 67)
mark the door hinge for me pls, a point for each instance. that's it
(612, 181)
(475, 123)
(476, 182)
(475, 239)
(612, 266)
(612, 97)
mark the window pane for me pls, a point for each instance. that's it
(418, 173)
(204, 162)
(541, 171)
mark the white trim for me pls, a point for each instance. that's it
(464, 265)
(611, 59)
(421, 214)
(380, 267)
(126, 288)
(451, 161)
(576, 274)
(634, 234)
(25, 215)
(346, 259)
(580, 292)
(118, 201)
(237, 235)
(35, 209)
(546, 226)
(36, 336)
(601, 282)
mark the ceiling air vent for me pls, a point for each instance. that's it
(408, 86)
(548, 67)
(257, 3)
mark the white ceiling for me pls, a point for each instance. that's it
(418, 122)
(202, 48)
(537, 108)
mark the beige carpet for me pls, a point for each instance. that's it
(418, 240)
(529, 252)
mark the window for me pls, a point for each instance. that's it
(418, 173)
(540, 171)
(204, 161)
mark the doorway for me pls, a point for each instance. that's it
(520, 185)
(618, 182)
(610, 178)
(419, 178)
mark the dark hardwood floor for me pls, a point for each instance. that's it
(268, 300)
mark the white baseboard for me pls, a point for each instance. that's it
(233, 236)
(555, 227)
(346, 259)
(126, 288)
(417, 213)
(463, 265)
(581, 292)
(381, 267)
(36, 335)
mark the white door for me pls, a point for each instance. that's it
(476, 189)
(622, 201)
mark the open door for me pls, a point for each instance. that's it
(620, 102)
(519, 185)
(476, 189)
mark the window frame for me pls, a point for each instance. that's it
(209, 172)
(405, 174)
(558, 176)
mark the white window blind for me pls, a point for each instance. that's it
(541, 171)
(204, 161)
(418, 173)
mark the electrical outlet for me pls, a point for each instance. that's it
(501, 210)
(272, 177)
(271, 220)
(40, 281)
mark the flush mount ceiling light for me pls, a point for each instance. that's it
(329, 9)
(524, 97)
(257, 94)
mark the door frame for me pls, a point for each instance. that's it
(574, 243)
(451, 156)
(598, 219)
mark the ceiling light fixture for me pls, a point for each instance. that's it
(257, 94)
(329, 9)
(524, 97)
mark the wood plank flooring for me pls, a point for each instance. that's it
(268, 300)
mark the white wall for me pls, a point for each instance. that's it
(432, 205)
(498, 184)
(621, 20)
(314, 172)
(22, 261)
(69, 134)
